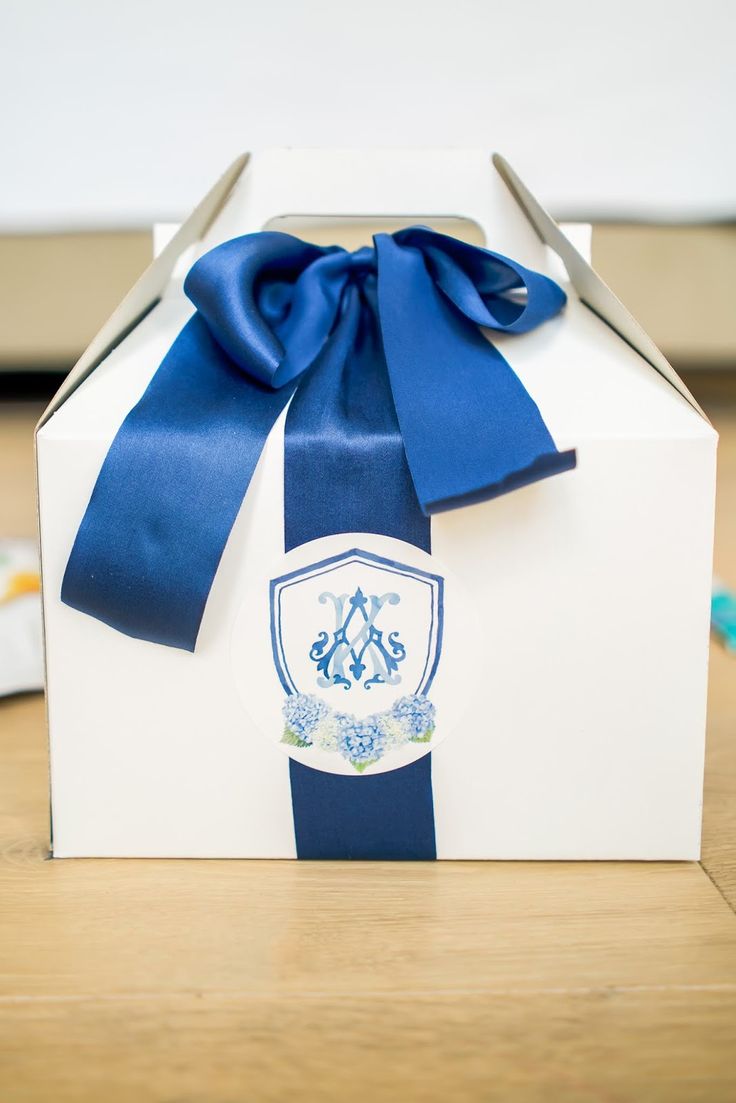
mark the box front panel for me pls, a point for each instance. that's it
(579, 728)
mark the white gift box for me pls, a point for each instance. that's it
(571, 686)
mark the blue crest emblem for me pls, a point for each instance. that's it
(357, 623)
(356, 641)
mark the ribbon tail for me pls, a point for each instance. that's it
(471, 430)
(168, 493)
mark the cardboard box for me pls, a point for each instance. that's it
(571, 689)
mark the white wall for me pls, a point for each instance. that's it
(118, 112)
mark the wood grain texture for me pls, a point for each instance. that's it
(216, 981)
(662, 1047)
(719, 818)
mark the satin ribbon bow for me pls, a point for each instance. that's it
(272, 312)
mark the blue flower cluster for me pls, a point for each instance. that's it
(416, 712)
(362, 741)
(302, 713)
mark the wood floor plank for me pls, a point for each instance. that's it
(719, 813)
(669, 1046)
(719, 816)
(140, 928)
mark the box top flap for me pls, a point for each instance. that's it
(592, 290)
(147, 290)
(275, 192)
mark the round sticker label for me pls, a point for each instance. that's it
(353, 655)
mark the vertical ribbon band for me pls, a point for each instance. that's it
(362, 484)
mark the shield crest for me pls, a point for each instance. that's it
(357, 630)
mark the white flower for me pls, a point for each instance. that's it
(327, 733)
(394, 729)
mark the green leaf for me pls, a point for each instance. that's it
(293, 740)
(423, 738)
(361, 766)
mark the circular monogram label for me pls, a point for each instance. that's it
(354, 655)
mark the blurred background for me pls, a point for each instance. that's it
(119, 115)
(115, 116)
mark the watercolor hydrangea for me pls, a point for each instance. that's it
(310, 722)
(362, 742)
(417, 713)
(302, 715)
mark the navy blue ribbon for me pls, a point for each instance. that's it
(401, 408)
(269, 308)
(333, 484)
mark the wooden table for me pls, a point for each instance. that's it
(181, 982)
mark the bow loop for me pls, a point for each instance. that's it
(268, 301)
(490, 289)
(271, 301)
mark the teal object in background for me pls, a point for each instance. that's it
(723, 614)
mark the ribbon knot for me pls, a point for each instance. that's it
(381, 352)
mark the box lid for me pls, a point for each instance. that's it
(593, 371)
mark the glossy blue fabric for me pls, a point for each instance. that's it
(345, 470)
(270, 310)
